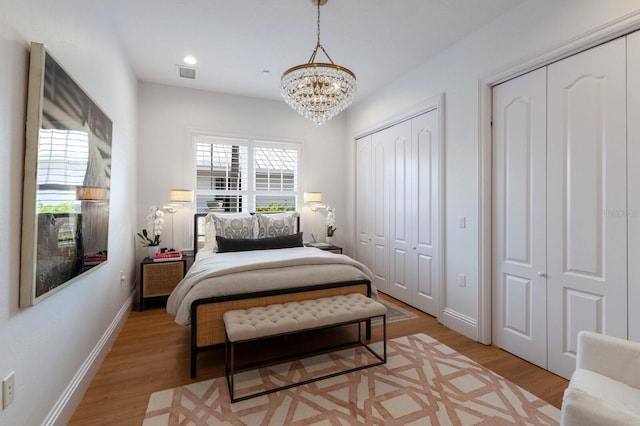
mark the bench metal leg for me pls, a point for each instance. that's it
(194, 357)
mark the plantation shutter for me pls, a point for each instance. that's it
(245, 175)
(276, 177)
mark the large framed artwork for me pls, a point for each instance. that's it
(67, 179)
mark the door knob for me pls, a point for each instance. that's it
(542, 274)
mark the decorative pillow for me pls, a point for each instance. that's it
(246, 244)
(234, 225)
(274, 224)
(210, 243)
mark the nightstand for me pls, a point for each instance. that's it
(329, 247)
(158, 279)
(333, 249)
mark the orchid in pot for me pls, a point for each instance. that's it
(331, 223)
(150, 236)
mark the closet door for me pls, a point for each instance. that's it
(519, 217)
(364, 201)
(586, 166)
(372, 207)
(402, 175)
(633, 177)
(398, 222)
(381, 174)
(425, 154)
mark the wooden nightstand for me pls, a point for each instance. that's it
(333, 249)
(158, 279)
(329, 247)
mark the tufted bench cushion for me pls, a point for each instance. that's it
(263, 321)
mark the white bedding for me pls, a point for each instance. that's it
(222, 274)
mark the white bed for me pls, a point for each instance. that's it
(228, 274)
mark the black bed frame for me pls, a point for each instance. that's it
(195, 349)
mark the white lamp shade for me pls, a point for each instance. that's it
(313, 197)
(181, 196)
(90, 193)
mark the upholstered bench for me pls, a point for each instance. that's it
(264, 322)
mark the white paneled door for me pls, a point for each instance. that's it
(402, 230)
(519, 218)
(364, 198)
(398, 188)
(633, 179)
(426, 211)
(380, 213)
(373, 180)
(586, 166)
(560, 217)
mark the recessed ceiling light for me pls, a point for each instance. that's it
(190, 60)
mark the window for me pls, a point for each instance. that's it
(245, 175)
(63, 158)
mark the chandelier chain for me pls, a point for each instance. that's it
(319, 45)
(318, 24)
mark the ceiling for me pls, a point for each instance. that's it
(235, 41)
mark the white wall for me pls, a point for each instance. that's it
(517, 37)
(167, 115)
(50, 345)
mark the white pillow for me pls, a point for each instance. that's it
(210, 243)
(234, 225)
(276, 224)
(225, 223)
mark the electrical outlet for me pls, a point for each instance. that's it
(8, 389)
(462, 280)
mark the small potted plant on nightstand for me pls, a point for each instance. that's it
(331, 223)
(151, 239)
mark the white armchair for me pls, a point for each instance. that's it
(605, 388)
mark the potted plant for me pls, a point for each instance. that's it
(151, 238)
(331, 223)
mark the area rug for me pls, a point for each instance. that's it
(423, 383)
(394, 312)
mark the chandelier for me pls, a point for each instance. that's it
(318, 90)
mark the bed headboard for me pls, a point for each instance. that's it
(198, 230)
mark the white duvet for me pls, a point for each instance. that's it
(222, 274)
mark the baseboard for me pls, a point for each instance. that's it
(461, 323)
(66, 405)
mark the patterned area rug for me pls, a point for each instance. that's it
(423, 383)
(394, 312)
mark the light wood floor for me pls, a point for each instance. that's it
(152, 354)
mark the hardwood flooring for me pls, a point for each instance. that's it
(152, 354)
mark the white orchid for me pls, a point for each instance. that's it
(331, 221)
(155, 219)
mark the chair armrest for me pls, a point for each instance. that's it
(610, 356)
(581, 409)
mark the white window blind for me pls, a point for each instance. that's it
(246, 175)
(63, 158)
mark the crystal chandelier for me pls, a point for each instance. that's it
(318, 90)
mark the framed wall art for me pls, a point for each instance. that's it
(67, 179)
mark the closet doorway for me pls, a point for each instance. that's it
(399, 208)
(559, 166)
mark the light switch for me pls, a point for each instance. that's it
(462, 280)
(462, 222)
